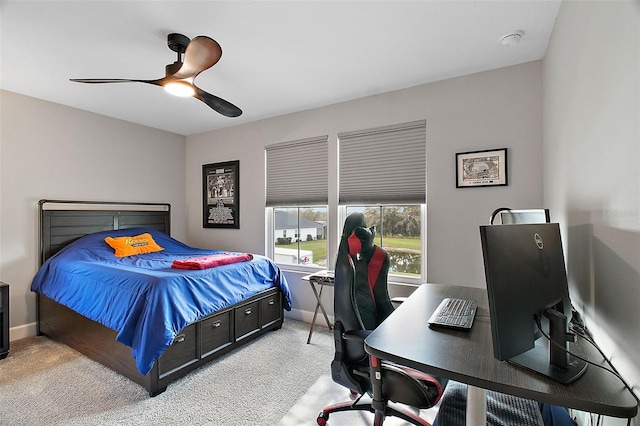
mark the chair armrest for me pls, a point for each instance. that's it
(359, 335)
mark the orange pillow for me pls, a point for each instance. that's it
(129, 246)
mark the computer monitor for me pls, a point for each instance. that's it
(513, 216)
(526, 286)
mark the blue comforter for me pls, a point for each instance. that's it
(142, 297)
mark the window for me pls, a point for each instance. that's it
(308, 247)
(382, 173)
(399, 232)
(296, 201)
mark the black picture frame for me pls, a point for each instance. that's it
(221, 195)
(482, 168)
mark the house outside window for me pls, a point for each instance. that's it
(308, 247)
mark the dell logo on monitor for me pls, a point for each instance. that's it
(538, 239)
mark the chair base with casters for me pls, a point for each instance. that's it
(407, 416)
(393, 387)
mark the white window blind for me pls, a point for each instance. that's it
(385, 165)
(297, 172)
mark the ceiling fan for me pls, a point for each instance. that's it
(200, 54)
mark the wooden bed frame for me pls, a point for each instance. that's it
(62, 222)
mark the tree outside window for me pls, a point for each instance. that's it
(398, 232)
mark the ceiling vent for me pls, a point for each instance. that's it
(511, 39)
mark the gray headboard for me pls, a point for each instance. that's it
(64, 221)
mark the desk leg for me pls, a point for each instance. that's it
(476, 406)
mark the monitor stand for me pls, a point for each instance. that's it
(553, 359)
(537, 359)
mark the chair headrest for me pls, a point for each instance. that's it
(361, 240)
(353, 221)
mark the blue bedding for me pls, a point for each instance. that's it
(142, 297)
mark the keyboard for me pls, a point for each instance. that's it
(454, 313)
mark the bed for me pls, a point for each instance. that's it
(124, 312)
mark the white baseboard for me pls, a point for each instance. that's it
(22, 331)
(307, 316)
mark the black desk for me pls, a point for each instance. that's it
(467, 357)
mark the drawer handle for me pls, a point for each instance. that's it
(272, 302)
(247, 311)
(216, 324)
(179, 339)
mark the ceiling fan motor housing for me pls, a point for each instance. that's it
(173, 68)
(178, 42)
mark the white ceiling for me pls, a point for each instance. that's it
(278, 56)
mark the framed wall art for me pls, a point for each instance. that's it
(221, 195)
(481, 168)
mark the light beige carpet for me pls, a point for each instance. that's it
(19, 366)
(326, 392)
(44, 383)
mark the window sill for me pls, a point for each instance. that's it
(393, 279)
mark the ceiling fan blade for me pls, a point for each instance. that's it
(202, 53)
(101, 80)
(114, 80)
(218, 104)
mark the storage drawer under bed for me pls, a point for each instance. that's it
(260, 313)
(270, 309)
(220, 330)
(216, 332)
(183, 351)
(247, 319)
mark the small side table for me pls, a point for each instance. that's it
(319, 279)
(4, 320)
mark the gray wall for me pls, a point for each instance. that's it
(493, 109)
(72, 154)
(55, 152)
(591, 160)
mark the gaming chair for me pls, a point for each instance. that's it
(361, 302)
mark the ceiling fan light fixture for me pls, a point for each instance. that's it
(180, 88)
